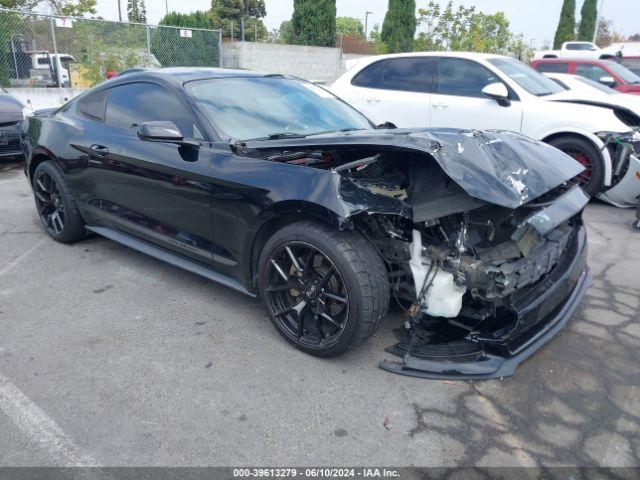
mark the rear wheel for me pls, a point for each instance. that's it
(56, 205)
(326, 291)
(583, 151)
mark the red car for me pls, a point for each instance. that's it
(607, 72)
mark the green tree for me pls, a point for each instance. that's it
(69, 8)
(349, 26)
(588, 17)
(229, 15)
(399, 26)
(136, 11)
(606, 35)
(285, 34)
(314, 22)
(375, 37)
(463, 28)
(566, 30)
(172, 50)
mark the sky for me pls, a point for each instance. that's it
(536, 20)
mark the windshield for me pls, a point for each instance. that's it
(525, 76)
(596, 85)
(260, 107)
(623, 72)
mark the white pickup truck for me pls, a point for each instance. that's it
(579, 50)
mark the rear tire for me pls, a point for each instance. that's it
(332, 297)
(584, 152)
(56, 204)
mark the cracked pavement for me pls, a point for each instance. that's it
(140, 363)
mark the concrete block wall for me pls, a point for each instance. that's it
(44, 97)
(322, 64)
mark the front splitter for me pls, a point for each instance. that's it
(486, 365)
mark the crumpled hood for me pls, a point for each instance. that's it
(499, 167)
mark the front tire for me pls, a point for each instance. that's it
(326, 291)
(56, 204)
(584, 152)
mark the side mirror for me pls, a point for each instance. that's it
(166, 132)
(608, 81)
(498, 91)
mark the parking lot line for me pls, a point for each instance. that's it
(40, 428)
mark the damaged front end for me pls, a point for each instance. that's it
(481, 233)
(491, 286)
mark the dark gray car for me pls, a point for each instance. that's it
(11, 116)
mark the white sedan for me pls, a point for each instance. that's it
(586, 88)
(483, 91)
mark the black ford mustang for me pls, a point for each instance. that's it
(274, 187)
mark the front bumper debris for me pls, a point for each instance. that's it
(627, 191)
(443, 351)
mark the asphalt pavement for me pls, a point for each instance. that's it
(112, 358)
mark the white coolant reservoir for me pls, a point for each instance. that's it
(444, 297)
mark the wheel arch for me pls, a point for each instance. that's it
(279, 216)
(591, 138)
(37, 157)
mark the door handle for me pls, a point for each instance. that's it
(440, 105)
(372, 100)
(99, 150)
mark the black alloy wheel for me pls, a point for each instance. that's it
(326, 290)
(50, 203)
(306, 295)
(56, 204)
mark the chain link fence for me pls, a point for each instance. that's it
(51, 51)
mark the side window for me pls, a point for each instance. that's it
(409, 74)
(553, 67)
(593, 72)
(370, 76)
(463, 77)
(94, 105)
(132, 104)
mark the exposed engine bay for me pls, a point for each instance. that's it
(465, 253)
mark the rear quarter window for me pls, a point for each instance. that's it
(370, 76)
(94, 105)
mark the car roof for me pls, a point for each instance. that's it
(180, 75)
(468, 55)
(572, 60)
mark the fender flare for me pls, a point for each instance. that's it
(599, 144)
(40, 151)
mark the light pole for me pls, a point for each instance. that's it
(119, 12)
(366, 22)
